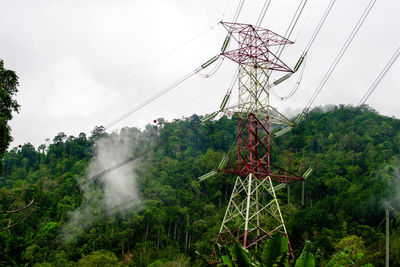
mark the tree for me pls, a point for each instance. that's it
(99, 258)
(8, 89)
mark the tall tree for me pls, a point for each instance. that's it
(8, 104)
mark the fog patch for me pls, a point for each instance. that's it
(114, 192)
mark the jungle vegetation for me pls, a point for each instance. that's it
(354, 153)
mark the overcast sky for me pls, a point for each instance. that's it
(85, 63)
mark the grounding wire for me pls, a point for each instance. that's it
(340, 55)
(380, 77)
(263, 12)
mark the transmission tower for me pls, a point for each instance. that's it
(253, 212)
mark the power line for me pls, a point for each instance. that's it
(176, 83)
(306, 20)
(287, 35)
(263, 12)
(319, 26)
(292, 24)
(380, 77)
(118, 84)
(340, 55)
(296, 86)
(238, 10)
(225, 8)
(308, 46)
(152, 98)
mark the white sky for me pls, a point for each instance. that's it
(85, 63)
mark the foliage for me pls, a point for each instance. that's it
(99, 258)
(275, 251)
(354, 154)
(8, 104)
(306, 258)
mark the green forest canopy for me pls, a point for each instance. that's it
(354, 153)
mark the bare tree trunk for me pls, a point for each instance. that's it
(147, 232)
(186, 241)
(175, 231)
(169, 228)
(158, 237)
(123, 253)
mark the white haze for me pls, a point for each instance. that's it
(390, 177)
(113, 193)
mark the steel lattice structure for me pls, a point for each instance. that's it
(253, 211)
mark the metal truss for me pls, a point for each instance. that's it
(252, 208)
(253, 212)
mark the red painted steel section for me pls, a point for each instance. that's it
(254, 153)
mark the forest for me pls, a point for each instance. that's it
(173, 220)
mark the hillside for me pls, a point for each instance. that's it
(170, 218)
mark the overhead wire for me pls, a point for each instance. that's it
(197, 97)
(309, 44)
(173, 85)
(288, 33)
(118, 84)
(380, 77)
(94, 178)
(152, 98)
(263, 12)
(292, 25)
(319, 26)
(306, 20)
(226, 7)
(212, 71)
(339, 56)
(296, 85)
(380, 224)
(238, 10)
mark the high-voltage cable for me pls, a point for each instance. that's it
(263, 12)
(288, 33)
(319, 26)
(338, 57)
(184, 78)
(296, 85)
(238, 10)
(380, 77)
(152, 98)
(292, 24)
(118, 84)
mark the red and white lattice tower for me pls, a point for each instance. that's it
(253, 212)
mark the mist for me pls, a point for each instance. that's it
(115, 192)
(390, 177)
